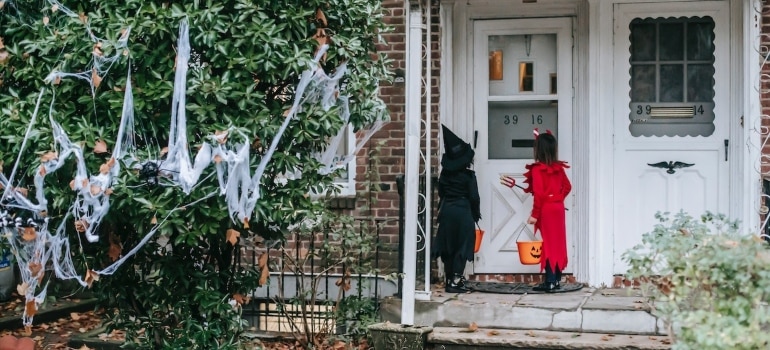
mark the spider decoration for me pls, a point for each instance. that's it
(150, 173)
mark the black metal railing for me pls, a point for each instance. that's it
(420, 219)
(313, 293)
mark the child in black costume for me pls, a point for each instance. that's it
(459, 210)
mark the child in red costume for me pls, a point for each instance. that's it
(549, 185)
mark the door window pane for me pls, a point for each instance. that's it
(672, 41)
(700, 40)
(643, 36)
(671, 83)
(521, 64)
(672, 76)
(643, 83)
(511, 125)
(700, 82)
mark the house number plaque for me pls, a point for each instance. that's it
(511, 124)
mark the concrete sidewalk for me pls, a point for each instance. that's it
(607, 318)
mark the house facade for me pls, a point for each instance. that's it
(657, 106)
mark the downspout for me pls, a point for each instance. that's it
(412, 167)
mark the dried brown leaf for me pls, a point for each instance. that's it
(74, 316)
(264, 271)
(114, 252)
(34, 269)
(29, 234)
(96, 80)
(232, 236)
(23, 191)
(493, 333)
(91, 277)
(81, 226)
(221, 136)
(321, 18)
(100, 147)
(30, 309)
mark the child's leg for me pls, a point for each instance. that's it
(448, 272)
(458, 270)
(549, 275)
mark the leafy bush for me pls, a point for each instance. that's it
(707, 280)
(247, 57)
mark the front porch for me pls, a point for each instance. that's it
(598, 318)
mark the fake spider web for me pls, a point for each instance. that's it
(25, 224)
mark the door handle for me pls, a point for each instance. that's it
(727, 150)
(475, 138)
(671, 165)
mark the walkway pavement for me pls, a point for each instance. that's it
(605, 318)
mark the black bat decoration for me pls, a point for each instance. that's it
(670, 166)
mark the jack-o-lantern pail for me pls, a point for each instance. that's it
(479, 237)
(530, 252)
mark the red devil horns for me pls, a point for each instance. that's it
(537, 132)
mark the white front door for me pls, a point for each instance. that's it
(522, 79)
(671, 113)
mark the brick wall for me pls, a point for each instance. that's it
(388, 145)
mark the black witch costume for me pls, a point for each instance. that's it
(459, 210)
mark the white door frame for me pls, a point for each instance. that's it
(592, 133)
(497, 253)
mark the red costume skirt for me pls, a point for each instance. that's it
(553, 228)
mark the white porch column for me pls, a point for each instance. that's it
(751, 168)
(413, 119)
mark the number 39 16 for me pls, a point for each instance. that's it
(514, 119)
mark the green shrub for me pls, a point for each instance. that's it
(247, 57)
(707, 280)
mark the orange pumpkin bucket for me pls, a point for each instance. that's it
(530, 252)
(479, 237)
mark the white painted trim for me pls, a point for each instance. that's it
(581, 150)
(600, 196)
(748, 195)
(412, 164)
(427, 154)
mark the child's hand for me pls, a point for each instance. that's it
(531, 221)
(507, 181)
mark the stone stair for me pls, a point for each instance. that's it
(587, 319)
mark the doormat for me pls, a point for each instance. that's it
(517, 288)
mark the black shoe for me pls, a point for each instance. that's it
(558, 285)
(454, 287)
(548, 287)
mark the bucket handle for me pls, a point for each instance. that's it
(534, 234)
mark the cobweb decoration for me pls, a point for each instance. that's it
(239, 186)
(100, 63)
(25, 223)
(330, 158)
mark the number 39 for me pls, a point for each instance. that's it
(511, 119)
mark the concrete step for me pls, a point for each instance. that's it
(452, 338)
(603, 311)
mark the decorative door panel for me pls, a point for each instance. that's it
(522, 80)
(671, 114)
(659, 187)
